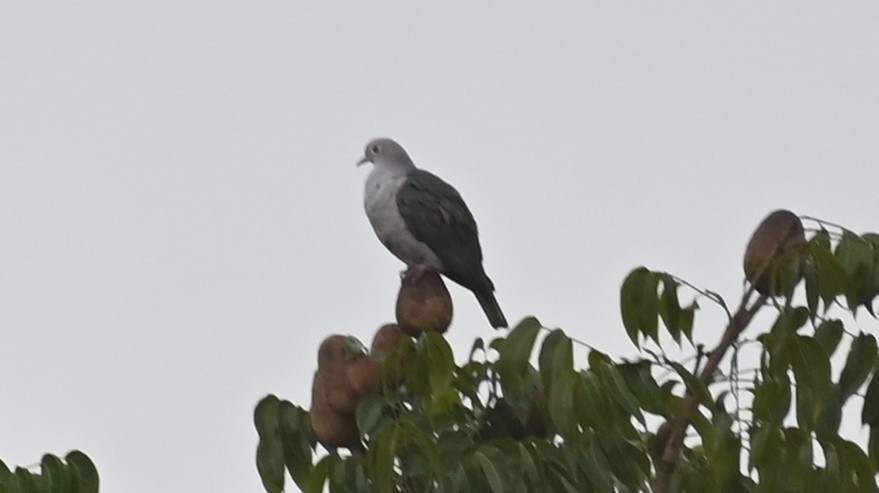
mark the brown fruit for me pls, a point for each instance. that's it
(364, 375)
(334, 357)
(423, 304)
(386, 339)
(332, 429)
(773, 248)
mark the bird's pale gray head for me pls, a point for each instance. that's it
(384, 151)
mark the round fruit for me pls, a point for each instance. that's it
(423, 304)
(771, 255)
(332, 429)
(386, 339)
(334, 356)
(364, 375)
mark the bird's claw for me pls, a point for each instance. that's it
(414, 273)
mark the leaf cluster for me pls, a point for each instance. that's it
(75, 474)
(518, 415)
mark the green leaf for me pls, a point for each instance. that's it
(772, 399)
(640, 380)
(799, 457)
(812, 372)
(831, 414)
(873, 446)
(347, 476)
(598, 359)
(832, 473)
(552, 346)
(828, 335)
(766, 449)
(855, 256)
(270, 450)
(5, 473)
(361, 481)
(370, 412)
(694, 385)
(614, 383)
(556, 354)
(791, 320)
(437, 357)
(855, 457)
(382, 451)
(24, 482)
(670, 307)
(270, 463)
(590, 402)
(626, 461)
(490, 472)
(298, 441)
(319, 474)
(861, 361)
(832, 278)
(84, 472)
(453, 444)
(789, 274)
(723, 449)
(459, 481)
(561, 403)
(639, 304)
(515, 353)
(441, 362)
(687, 316)
(557, 474)
(477, 347)
(54, 476)
(341, 477)
(426, 445)
(810, 274)
(529, 468)
(265, 416)
(597, 468)
(806, 404)
(558, 482)
(870, 411)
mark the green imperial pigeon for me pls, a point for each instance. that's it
(425, 223)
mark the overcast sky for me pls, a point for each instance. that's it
(181, 219)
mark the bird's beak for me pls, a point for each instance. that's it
(362, 161)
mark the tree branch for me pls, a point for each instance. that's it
(736, 325)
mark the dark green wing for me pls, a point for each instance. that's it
(437, 216)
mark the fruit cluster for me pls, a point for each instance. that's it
(347, 373)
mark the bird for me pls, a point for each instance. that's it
(425, 223)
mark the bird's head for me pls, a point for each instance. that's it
(385, 152)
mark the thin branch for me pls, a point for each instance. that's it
(735, 386)
(700, 353)
(832, 234)
(738, 322)
(707, 293)
(668, 368)
(825, 223)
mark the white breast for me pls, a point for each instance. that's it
(380, 202)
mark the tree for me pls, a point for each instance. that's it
(518, 416)
(75, 474)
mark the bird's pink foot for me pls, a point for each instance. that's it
(413, 274)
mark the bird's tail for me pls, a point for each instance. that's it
(492, 310)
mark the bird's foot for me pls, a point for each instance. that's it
(413, 274)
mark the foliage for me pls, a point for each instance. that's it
(75, 474)
(519, 416)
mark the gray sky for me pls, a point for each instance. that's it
(182, 219)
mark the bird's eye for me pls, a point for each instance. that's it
(374, 149)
